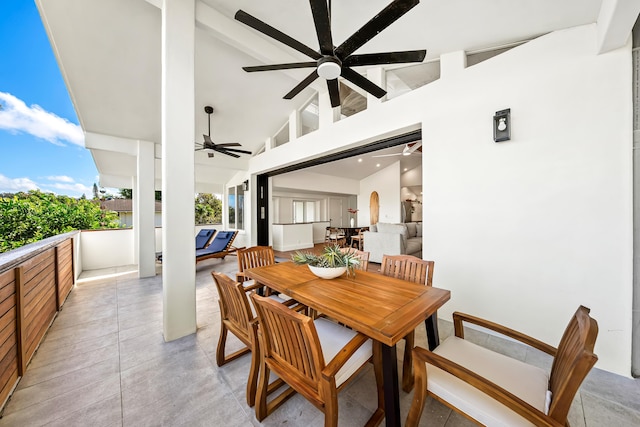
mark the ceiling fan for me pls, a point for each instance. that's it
(208, 144)
(409, 149)
(331, 62)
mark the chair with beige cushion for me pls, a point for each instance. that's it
(492, 389)
(238, 317)
(411, 269)
(316, 358)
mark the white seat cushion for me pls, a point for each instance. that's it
(528, 382)
(333, 338)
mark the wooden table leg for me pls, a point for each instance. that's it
(391, 389)
(431, 323)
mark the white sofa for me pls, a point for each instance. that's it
(393, 239)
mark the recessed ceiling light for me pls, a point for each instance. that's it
(359, 160)
(406, 169)
(378, 165)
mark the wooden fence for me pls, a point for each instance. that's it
(34, 282)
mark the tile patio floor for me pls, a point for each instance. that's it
(104, 363)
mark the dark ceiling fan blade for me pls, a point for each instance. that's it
(385, 58)
(363, 82)
(302, 85)
(223, 151)
(382, 20)
(268, 30)
(334, 92)
(229, 144)
(280, 66)
(234, 150)
(322, 21)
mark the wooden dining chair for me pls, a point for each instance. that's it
(238, 317)
(357, 239)
(490, 388)
(411, 269)
(362, 256)
(316, 358)
(255, 256)
(335, 236)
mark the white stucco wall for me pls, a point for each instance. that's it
(523, 231)
(387, 184)
(106, 248)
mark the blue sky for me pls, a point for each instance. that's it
(41, 143)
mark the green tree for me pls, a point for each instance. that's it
(33, 216)
(127, 193)
(208, 209)
(96, 195)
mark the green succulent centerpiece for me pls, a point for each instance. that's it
(330, 258)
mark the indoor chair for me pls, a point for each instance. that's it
(335, 236)
(411, 269)
(491, 389)
(316, 358)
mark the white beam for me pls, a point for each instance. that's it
(98, 141)
(615, 22)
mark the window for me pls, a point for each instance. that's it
(309, 116)
(304, 211)
(236, 207)
(282, 137)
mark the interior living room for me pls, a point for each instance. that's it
(525, 113)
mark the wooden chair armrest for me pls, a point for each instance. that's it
(252, 287)
(511, 401)
(332, 368)
(458, 318)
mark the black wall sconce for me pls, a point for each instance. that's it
(245, 185)
(502, 125)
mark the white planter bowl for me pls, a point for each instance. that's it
(327, 273)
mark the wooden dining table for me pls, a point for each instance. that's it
(383, 308)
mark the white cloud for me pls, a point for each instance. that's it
(13, 185)
(60, 178)
(16, 116)
(74, 186)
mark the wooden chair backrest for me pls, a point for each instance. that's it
(362, 256)
(290, 345)
(408, 267)
(256, 256)
(573, 361)
(234, 306)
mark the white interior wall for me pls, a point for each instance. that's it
(523, 231)
(387, 183)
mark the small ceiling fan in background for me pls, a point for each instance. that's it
(208, 144)
(409, 149)
(331, 62)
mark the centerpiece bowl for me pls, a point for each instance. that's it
(327, 272)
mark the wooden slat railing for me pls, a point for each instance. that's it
(35, 280)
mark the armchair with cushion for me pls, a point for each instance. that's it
(492, 389)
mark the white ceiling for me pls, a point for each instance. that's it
(109, 54)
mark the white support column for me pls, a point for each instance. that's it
(144, 210)
(452, 63)
(294, 125)
(178, 186)
(378, 76)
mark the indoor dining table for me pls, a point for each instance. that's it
(383, 308)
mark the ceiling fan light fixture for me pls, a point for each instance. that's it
(329, 68)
